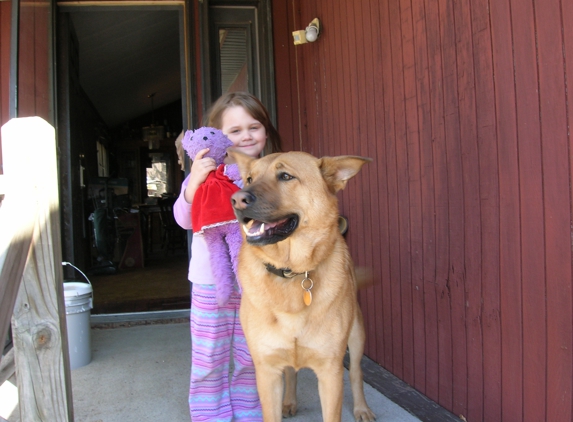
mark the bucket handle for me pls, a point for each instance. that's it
(82, 273)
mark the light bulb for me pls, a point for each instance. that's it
(311, 33)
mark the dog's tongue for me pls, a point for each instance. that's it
(257, 228)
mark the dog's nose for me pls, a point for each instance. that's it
(242, 199)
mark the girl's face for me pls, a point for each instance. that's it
(247, 134)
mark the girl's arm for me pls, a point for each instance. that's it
(181, 208)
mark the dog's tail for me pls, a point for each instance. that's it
(364, 277)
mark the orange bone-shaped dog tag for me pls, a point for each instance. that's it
(307, 295)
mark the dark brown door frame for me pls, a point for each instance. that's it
(264, 58)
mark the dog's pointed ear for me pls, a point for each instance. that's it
(336, 171)
(243, 161)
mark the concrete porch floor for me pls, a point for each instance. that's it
(140, 373)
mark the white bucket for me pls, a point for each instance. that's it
(78, 299)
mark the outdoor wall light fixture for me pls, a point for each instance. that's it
(310, 34)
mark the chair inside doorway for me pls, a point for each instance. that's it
(174, 238)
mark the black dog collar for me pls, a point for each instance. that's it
(287, 273)
(281, 272)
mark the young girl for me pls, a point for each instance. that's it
(216, 330)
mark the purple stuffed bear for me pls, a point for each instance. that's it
(211, 211)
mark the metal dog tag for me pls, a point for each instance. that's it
(307, 295)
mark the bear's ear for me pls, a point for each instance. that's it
(243, 161)
(188, 144)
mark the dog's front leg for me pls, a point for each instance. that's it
(270, 388)
(331, 390)
(356, 340)
(289, 400)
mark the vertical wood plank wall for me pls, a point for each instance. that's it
(35, 90)
(465, 213)
(5, 28)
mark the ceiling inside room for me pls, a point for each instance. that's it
(125, 56)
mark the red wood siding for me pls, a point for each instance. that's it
(5, 28)
(35, 91)
(285, 61)
(465, 213)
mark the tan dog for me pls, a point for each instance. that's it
(299, 306)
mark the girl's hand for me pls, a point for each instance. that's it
(200, 169)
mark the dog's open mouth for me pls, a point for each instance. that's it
(264, 233)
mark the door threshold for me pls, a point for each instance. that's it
(139, 318)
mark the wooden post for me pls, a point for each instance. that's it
(39, 320)
(16, 229)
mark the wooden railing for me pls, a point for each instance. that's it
(31, 278)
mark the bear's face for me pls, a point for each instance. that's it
(206, 137)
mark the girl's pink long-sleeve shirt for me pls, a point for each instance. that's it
(199, 265)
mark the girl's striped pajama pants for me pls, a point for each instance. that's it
(214, 332)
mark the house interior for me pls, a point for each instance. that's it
(128, 116)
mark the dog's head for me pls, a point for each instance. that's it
(291, 195)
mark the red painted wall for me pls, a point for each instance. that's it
(5, 16)
(35, 95)
(465, 213)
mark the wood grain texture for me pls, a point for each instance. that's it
(44, 385)
(488, 180)
(35, 60)
(17, 215)
(510, 295)
(557, 214)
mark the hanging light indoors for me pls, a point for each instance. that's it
(153, 134)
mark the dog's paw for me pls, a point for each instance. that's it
(289, 409)
(364, 414)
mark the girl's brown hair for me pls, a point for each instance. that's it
(254, 107)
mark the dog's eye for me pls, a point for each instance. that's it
(249, 180)
(285, 176)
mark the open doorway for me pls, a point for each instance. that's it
(122, 88)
